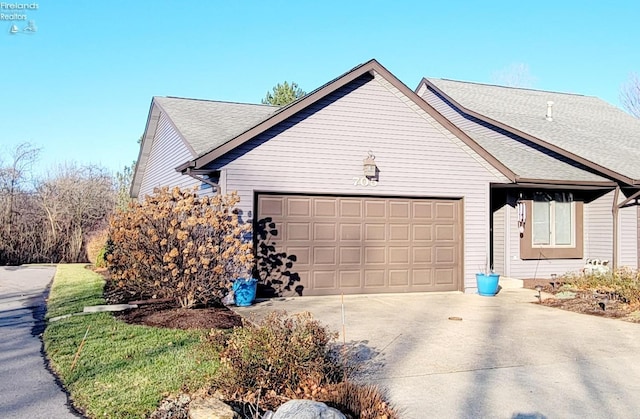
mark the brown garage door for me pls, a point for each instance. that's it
(360, 245)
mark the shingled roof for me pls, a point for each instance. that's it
(207, 124)
(585, 129)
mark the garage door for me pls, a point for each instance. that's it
(360, 245)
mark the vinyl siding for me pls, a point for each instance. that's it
(598, 220)
(167, 152)
(321, 150)
(598, 236)
(499, 224)
(628, 239)
(600, 230)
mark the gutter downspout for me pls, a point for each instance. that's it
(614, 212)
(203, 180)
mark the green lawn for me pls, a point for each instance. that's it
(124, 370)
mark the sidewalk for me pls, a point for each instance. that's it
(27, 389)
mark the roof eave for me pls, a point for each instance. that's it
(275, 119)
(569, 183)
(145, 148)
(601, 169)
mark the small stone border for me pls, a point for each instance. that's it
(96, 309)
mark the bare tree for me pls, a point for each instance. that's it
(514, 75)
(13, 178)
(76, 201)
(630, 95)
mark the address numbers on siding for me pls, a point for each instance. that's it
(364, 181)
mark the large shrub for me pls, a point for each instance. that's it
(272, 359)
(179, 245)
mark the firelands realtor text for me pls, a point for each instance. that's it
(15, 11)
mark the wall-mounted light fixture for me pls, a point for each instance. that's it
(369, 166)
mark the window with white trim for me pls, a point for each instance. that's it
(554, 220)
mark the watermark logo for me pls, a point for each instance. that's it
(29, 28)
(19, 17)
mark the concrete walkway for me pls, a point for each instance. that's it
(506, 358)
(27, 389)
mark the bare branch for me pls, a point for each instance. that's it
(630, 95)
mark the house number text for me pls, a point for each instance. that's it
(364, 181)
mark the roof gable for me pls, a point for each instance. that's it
(585, 129)
(368, 69)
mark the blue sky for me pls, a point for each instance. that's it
(81, 85)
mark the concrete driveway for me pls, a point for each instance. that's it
(506, 358)
(27, 389)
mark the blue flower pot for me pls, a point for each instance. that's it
(244, 291)
(487, 284)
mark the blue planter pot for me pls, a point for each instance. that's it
(244, 291)
(487, 284)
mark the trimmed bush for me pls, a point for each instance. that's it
(179, 245)
(266, 363)
(272, 360)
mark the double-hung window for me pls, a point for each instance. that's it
(553, 228)
(553, 218)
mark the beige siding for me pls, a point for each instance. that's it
(627, 236)
(167, 152)
(598, 236)
(598, 232)
(499, 223)
(322, 151)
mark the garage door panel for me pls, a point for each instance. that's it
(368, 244)
(422, 254)
(324, 280)
(324, 231)
(324, 256)
(375, 255)
(375, 209)
(301, 254)
(326, 208)
(350, 279)
(374, 278)
(350, 208)
(298, 207)
(350, 232)
(445, 232)
(400, 210)
(422, 276)
(375, 232)
(422, 210)
(297, 232)
(422, 232)
(445, 255)
(445, 276)
(399, 232)
(399, 278)
(271, 206)
(398, 255)
(445, 210)
(350, 256)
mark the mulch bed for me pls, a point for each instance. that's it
(584, 302)
(170, 316)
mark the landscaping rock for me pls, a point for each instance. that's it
(109, 307)
(211, 408)
(307, 409)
